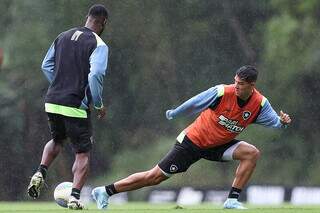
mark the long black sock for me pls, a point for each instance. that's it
(43, 169)
(111, 190)
(75, 193)
(234, 193)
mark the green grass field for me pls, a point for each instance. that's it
(40, 207)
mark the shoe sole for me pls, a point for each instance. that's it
(76, 207)
(32, 192)
(235, 208)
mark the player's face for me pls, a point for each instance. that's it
(243, 88)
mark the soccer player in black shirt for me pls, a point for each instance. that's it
(75, 66)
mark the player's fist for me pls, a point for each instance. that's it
(284, 118)
(169, 117)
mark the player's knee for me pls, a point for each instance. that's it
(157, 180)
(154, 177)
(254, 153)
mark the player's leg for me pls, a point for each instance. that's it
(178, 159)
(248, 155)
(50, 152)
(80, 133)
(138, 180)
(80, 170)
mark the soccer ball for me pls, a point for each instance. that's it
(62, 193)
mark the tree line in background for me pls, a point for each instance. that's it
(161, 54)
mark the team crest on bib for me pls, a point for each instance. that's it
(173, 168)
(246, 115)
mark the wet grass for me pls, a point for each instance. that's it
(152, 208)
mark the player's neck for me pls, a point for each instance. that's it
(90, 24)
(245, 97)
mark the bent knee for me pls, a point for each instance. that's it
(254, 153)
(246, 151)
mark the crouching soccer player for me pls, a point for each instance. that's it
(226, 110)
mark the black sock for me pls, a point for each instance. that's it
(43, 169)
(111, 190)
(234, 193)
(75, 193)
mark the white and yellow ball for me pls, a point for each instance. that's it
(62, 193)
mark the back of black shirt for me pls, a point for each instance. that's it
(73, 49)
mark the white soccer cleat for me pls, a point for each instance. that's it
(101, 197)
(233, 203)
(75, 204)
(35, 185)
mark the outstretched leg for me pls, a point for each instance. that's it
(182, 155)
(139, 180)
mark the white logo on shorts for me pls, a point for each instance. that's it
(173, 168)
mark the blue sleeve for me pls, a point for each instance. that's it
(268, 117)
(98, 68)
(48, 64)
(197, 103)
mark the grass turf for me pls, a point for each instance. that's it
(40, 207)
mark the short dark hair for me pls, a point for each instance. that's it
(247, 73)
(98, 10)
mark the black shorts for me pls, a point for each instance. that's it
(79, 130)
(184, 154)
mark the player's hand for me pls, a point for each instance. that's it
(168, 114)
(284, 118)
(102, 112)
